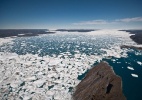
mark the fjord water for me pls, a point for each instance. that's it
(131, 85)
(97, 46)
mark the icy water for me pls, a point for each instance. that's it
(131, 85)
(65, 58)
(56, 44)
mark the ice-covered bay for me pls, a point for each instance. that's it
(47, 67)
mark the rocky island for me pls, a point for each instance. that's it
(75, 30)
(23, 32)
(100, 83)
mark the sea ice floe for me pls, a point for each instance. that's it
(36, 78)
(62, 73)
(114, 52)
(52, 77)
(31, 78)
(140, 63)
(131, 68)
(6, 40)
(53, 62)
(39, 82)
(90, 48)
(134, 75)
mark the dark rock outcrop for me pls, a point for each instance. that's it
(100, 83)
(137, 35)
(137, 38)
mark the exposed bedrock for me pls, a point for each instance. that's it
(131, 47)
(100, 83)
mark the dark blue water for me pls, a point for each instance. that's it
(131, 86)
(52, 44)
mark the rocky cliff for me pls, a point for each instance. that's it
(100, 83)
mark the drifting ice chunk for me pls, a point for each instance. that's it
(54, 62)
(57, 96)
(140, 63)
(58, 81)
(134, 75)
(30, 78)
(14, 85)
(26, 98)
(90, 48)
(51, 93)
(39, 83)
(77, 55)
(131, 68)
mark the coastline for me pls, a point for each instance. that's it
(100, 83)
(23, 32)
(131, 47)
(136, 37)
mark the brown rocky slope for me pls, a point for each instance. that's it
(100, 83)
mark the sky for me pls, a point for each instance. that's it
(71, 14)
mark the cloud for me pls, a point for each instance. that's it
(101, 22)
(93, 22)
(135, 19)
